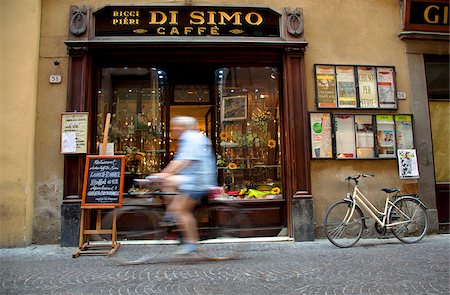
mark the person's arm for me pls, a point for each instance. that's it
(174, 167)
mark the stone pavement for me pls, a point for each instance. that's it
(373, 266)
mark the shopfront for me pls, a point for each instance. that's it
(238, 71)
(426, 37)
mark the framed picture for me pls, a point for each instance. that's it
(234, 108)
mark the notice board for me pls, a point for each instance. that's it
(103, 180)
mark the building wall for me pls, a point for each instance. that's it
(19, 33)
(338, 32)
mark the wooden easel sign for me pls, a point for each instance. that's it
(102, 190)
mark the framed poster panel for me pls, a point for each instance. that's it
(74, 133)
(346, 86)
(407, 163)
(385, 136)
(321, 139)
(365, 137)
(103, 181)
(404, 131)
(345, 136)
(367, 84)
(325, 78)
(387, 94)
(234, 108)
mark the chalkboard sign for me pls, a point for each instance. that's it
(103, 181)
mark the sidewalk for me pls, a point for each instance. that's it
(373, 266)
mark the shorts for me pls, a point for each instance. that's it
(196, 195)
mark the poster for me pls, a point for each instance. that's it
(386, 88)
(367, 87)
(407, 163)
(321, 143)
(345, 136)
(385, 136)
(365, 143)
(74, 132)
(346, 89)
(404, 129)
(326, 86)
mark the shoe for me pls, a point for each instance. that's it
(187, 249)
(167, 220)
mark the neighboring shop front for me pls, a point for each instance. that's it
(426, 37)
(290, 109)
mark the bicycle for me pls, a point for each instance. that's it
(404, 215)
(221, 222)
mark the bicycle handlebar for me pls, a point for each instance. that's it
(355, 178)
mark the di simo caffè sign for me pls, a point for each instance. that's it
(427, 15)
(186, 21)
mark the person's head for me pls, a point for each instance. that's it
(179, 124)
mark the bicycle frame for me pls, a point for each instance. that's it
(359, 197)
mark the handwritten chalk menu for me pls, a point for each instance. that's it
(74, 133)
(103, 180)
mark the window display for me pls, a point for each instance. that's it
(248, 157)
(135, 98)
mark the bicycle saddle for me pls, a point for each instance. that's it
(390, 190)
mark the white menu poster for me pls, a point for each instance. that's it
(74, 132)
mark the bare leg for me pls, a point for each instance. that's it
(182, 206)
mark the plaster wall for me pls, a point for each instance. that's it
(338, 32)
(19, 33)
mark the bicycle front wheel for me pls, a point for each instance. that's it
(408, 220)
(342, 229)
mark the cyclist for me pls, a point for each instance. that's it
(192, 174)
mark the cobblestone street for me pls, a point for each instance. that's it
(373, 266)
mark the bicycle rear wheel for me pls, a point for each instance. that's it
(230, 223)
(340, 233)
(137, 223)
(411, 219)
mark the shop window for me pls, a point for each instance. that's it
(249, 132)
(135, 98)
(437, 73)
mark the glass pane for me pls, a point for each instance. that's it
(135, 98)
(437, 72)
(249, 132)
(345, 136)
(365, 143)
(386, 136)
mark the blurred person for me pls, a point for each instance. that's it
(191, 174)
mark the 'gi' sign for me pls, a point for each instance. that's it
(103, 180)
